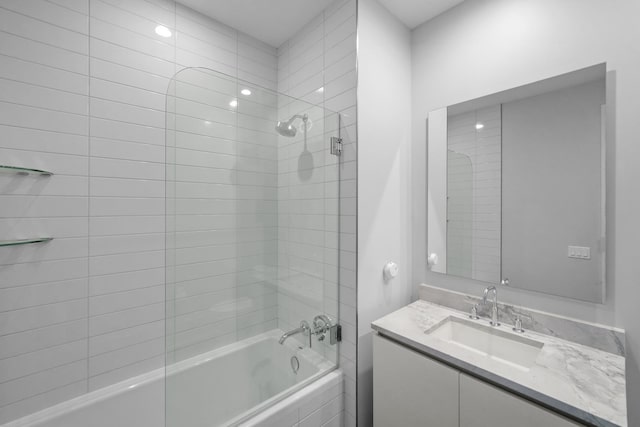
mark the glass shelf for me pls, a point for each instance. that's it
(25, 241)
(23, 171)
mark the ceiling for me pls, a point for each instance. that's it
(415, 12)
(272, 21)
(275, 21)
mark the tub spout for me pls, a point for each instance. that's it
(303, 329)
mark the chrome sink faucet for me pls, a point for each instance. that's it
(494, 310)
(304, 329)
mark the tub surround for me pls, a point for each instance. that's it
(579, 381)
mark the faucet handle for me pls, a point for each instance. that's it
(517, 326)
(323, 325)
(474, 312)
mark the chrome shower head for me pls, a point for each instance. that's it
(286, 128)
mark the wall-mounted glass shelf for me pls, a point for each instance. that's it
(23, 171)
(25, 241)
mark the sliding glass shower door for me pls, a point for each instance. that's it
(251, 250)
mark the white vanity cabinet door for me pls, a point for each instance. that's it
(410, 389)
(483, 405)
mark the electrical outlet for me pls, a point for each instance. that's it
(579, 252)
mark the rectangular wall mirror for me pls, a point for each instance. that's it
(516, 186)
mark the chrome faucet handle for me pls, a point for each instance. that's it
(474, 312)
(321, 324)
(517, 327)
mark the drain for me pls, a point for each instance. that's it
(295, 364)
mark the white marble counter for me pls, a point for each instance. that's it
(579, 381)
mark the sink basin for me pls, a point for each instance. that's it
(488, 341)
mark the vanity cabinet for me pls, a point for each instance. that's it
(483, 405)
(411, 389)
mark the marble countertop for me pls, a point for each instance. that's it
(581, 382)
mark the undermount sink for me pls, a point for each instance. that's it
(500, 346)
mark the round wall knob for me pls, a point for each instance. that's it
(390, 270)
(432, 259)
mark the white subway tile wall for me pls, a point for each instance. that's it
(474, 181)
(222, 205)
(83, 95)
(44, 123)
(318, 65)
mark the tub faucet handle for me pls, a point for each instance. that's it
(323, 324)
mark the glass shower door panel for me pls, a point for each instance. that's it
(252, 246)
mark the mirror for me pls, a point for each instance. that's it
(516, 190)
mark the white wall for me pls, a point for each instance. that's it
(482, 47)
(384, 209)
(83, 95)
(321, 55)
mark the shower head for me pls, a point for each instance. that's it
(286, 128)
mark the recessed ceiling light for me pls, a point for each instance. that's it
(234, 103)
(479, 126)
(163, 31)
(245, 92)
(320, 90)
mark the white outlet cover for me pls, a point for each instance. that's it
(579, 252)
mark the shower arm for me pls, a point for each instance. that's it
(304, 118)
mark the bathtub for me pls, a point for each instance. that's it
(234, 385)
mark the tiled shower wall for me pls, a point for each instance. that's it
(221, 212)
(319, 65)
(83, 95)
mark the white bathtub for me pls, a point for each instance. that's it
(229, 386)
